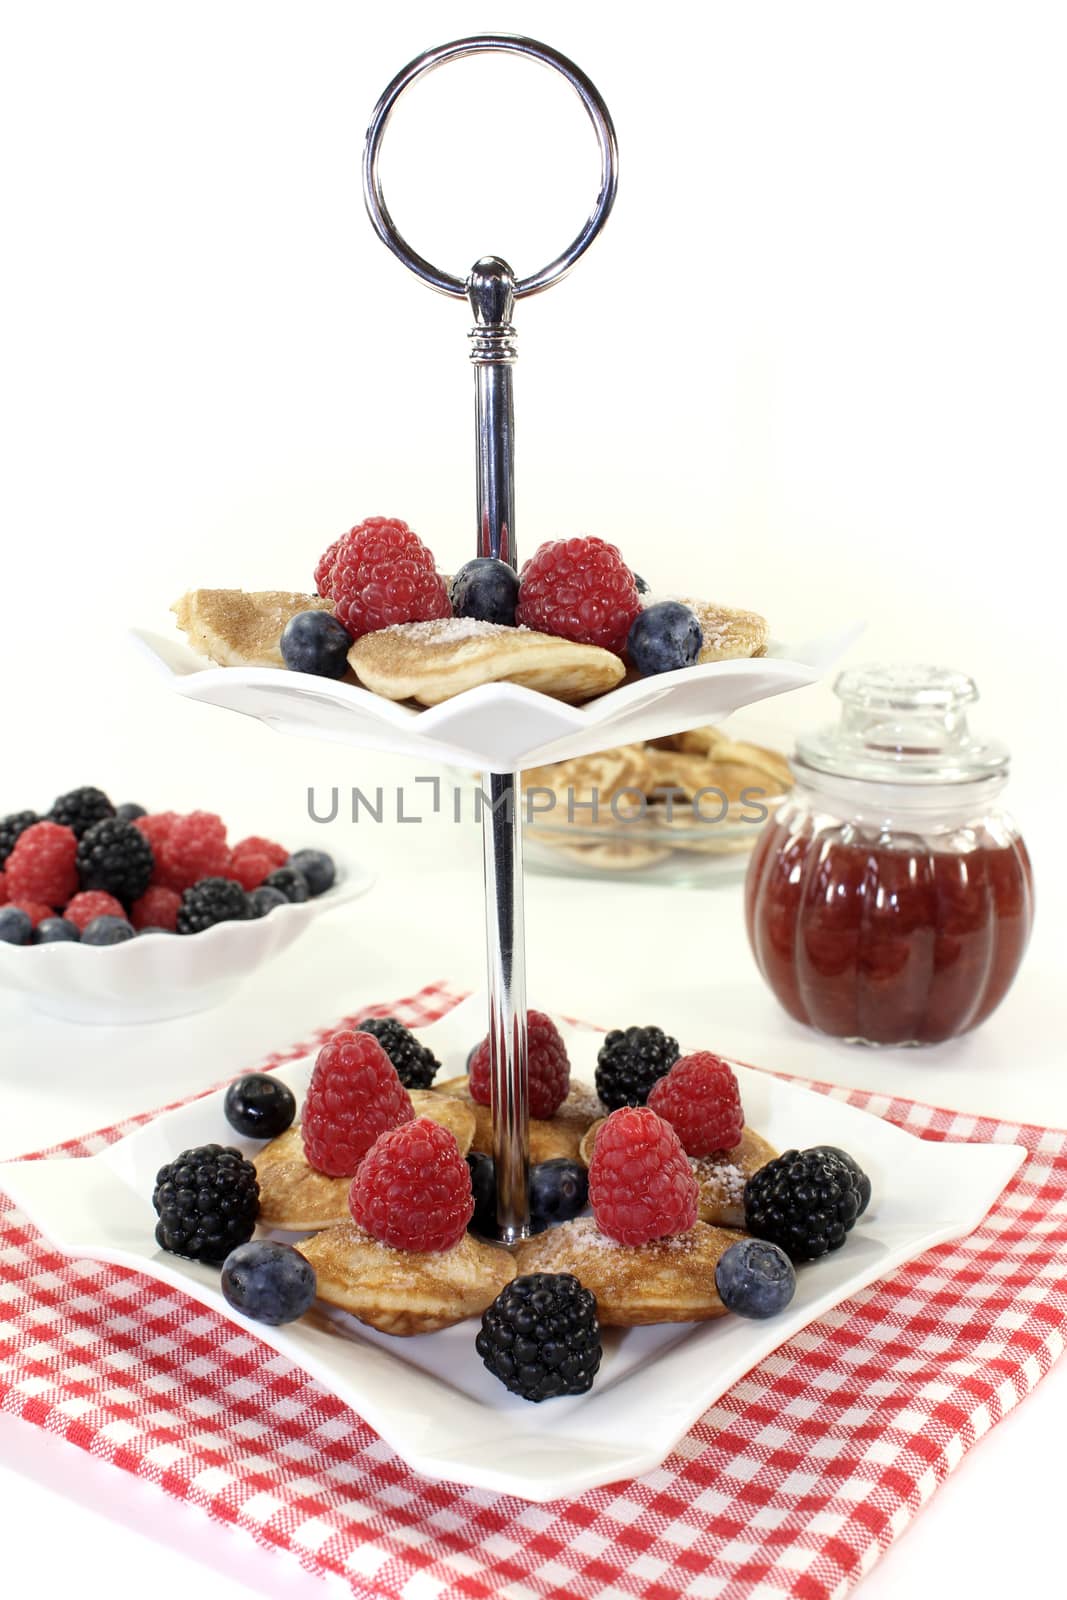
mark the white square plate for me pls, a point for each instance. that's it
(496, 727)
(430, 1397)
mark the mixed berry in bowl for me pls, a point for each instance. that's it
(93, 873)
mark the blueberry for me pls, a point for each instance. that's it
(107, 930)
(259, 1105)
(487, 590)
(288, 882)
(265, 898)
(559, 1190)
(664, 637)
(641, 585)
(314, 641)
(268, 1282)
(755, 1279)
(317, 867)
(130, 812)
(863, 1183)
(15, 926)
(483, 1187)
(55, 930)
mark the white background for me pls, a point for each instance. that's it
(814, 366)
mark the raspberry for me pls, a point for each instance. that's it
(35, 910)
(413, 1190)
(249, 869)
(157, 908)
(384, 574)
(640, 1182)
(3, 889)
(92, 903)
(324, 568)
(354, 1095)
(579, 589)
(193, 847)
(550, 1070)
(252, 859)
(700, 1099)
(42, 867)
(156, 828)
(277, 854)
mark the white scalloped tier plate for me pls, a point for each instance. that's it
(430, 1397)
(498, 727)
(161, 976)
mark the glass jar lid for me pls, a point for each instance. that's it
(906, 724)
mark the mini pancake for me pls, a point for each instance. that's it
(296, 1198)
(556, 1137)
(406, 1292)
(238, 628)
(669, 1280)
(729, 634)
(432, 661)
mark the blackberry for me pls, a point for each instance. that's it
(806, 1201)
(212, 900)
(415, 1064)
(11, 826)
(289, 882)
(116, 857)
(854, 1167)
(630, 1062)
(540, 1336)
(79, 809)
(639, 584)
(207, 1200)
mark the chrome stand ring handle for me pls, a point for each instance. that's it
(482, 44)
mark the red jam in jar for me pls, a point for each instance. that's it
(889, 901)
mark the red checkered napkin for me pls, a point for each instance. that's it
(792, 1484)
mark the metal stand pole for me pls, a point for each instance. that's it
(506, 970)
(492, 290)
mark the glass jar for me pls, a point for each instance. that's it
(890, 898)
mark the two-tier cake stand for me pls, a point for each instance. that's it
(497, 729)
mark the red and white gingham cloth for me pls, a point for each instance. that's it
(792, 1484)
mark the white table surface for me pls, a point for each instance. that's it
(682, 954)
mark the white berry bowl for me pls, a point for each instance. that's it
(161, 975)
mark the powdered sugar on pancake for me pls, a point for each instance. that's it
(451, 630)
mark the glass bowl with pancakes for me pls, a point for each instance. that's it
(687, 808)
